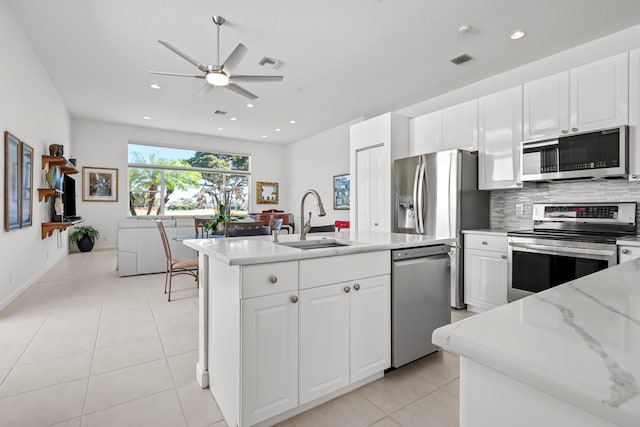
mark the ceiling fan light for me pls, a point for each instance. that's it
(217, 78)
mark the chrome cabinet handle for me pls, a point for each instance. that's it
(518, 184)
(634, 176)
(294, 299)
(356, 287)
(574, 129)
(347, 289)
(484, 242)
(625, 251)
(273, 279)
(503, 256)
(565, 131)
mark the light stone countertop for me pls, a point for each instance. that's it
(578, 342)
(493, 231)
(260, 249)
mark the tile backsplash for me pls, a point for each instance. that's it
(503, 203)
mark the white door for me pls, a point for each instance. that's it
(378, 199)
(363, 161)
(546, 107)
(460, 126)
(485, 278)
(269, 356)
(634, 115)
(370, 322)
(426, 134)
(499, 143)
(599, 95)
(324, 340)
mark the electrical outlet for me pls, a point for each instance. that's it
(519, 209)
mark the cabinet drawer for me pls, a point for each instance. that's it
(486, 242)
(626, 253)
(336, 269)
(269, 279)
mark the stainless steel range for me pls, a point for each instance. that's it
(568, 241)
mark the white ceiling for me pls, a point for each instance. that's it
(342, 58)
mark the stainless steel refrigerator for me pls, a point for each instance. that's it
(437, 194)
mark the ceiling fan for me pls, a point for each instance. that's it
(220, 75)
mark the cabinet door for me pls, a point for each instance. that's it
(370, 322)
(426, 134)
(634, 115)
(324, 341)
(378, 198)
(546, 107)
(363, 166)
(500, 136)
(460, 126)
(599, 96)
(485, 278)
(269, 356)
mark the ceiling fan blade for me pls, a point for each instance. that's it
(257, 78)
(241, 91)
(234, 59)
(175, 50)
(205, 90)
(162, 73)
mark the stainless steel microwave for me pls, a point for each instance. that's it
(600, 154)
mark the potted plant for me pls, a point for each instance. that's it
(85, 237)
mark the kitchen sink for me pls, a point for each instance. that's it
(315, 244)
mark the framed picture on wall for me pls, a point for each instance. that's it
(26, 207)
(99, 184)
(11, 182)
(267, 193)
(341, 185)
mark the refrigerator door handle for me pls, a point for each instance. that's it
(421, 199)
(416, 204)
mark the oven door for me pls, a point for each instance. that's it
(538, 264)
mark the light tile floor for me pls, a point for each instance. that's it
(84, 347)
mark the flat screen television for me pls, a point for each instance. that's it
(68, 200)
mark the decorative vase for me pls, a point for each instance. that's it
(85, 244)
(220, 228)
(56, 150)
(53, 177)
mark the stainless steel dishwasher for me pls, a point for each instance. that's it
(420, 300)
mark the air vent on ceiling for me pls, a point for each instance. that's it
(221, 113)
(458, 60)
(270, 62)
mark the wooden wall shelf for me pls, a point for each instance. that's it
(46, 193)
(49, 227)
(65, 166)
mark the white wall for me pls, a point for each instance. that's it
(312, 163)
(103, 144)
(31, 109)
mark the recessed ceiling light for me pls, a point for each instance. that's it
(277, 129)
(154, 86)
(220, 128)
(233, 118)
(293, 122)
(147, 118)
(264, 136)
(249, 105)
(517, 35)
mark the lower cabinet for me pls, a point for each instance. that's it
(485, 271)
(345, 334)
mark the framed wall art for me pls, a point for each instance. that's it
(26, 172)
(99, 184)
(11, 182)
(267, 193)
(341, 185)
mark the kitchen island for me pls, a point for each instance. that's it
(284, 329)
(568, 356)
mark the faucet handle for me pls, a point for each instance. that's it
(275, 224)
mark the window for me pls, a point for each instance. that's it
(172, 181)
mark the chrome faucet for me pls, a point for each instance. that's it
(306, 226)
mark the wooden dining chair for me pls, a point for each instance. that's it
(200, 222)
(175, 266)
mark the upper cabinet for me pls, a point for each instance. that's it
(634, 115)
(590, 97)
(500, 125)
(448, 129)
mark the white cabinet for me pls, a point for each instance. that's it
(500, 126)
(634, 115)
(590, 97)
(627, 253)
(426, 134)
(345, 334)
(269, 356)
(374, 144)
(485, 270)
(460, 126)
